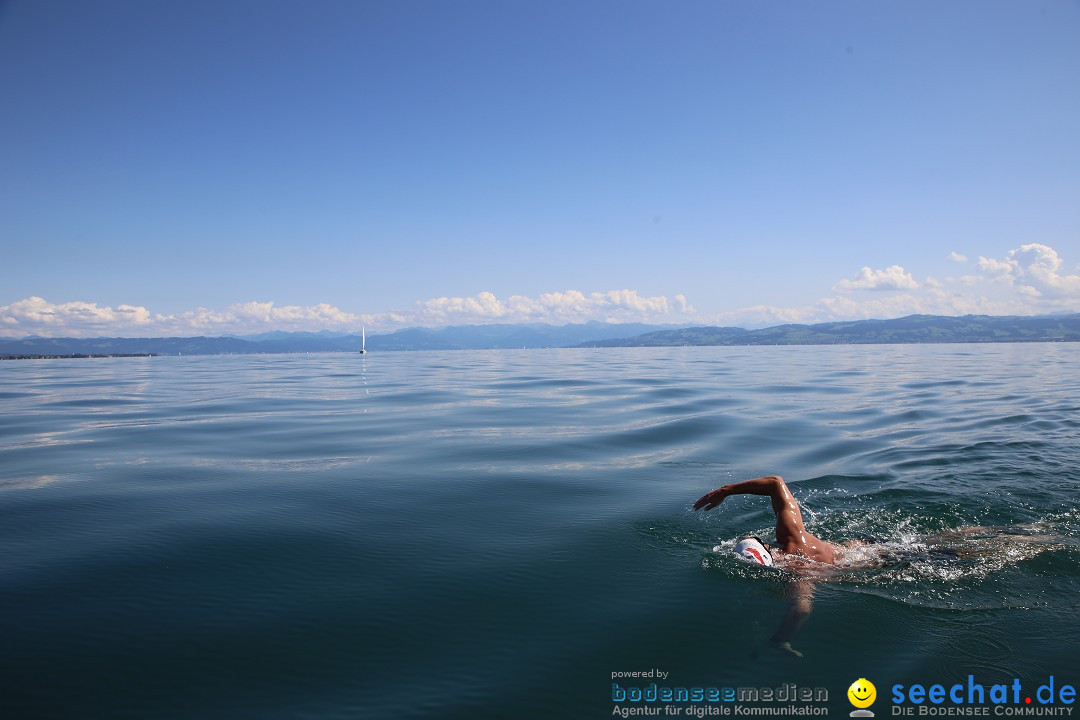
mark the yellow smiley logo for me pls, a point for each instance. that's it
(862, 693)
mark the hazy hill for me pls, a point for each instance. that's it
(910, 329)
(451, 338)
(534, 335)
(106, 346)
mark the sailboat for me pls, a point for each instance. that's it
(363, 340)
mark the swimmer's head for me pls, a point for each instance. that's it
(753, 551)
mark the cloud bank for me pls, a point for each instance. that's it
(891, 278)
(1028, 280)
(571, 306)
(38, 316)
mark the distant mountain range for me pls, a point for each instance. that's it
(463, 337)
(911, 329)
(535, 335)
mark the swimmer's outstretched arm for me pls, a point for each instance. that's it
(790, 532)
(771, 485)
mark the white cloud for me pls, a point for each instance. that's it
(39, 313)
(37, 316)
(891, 278)
(571, 306)
(251, 317)
(957, 257)
(1034, 270)
(995, 268)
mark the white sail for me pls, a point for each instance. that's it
(363, 339)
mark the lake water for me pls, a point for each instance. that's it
(493, 534)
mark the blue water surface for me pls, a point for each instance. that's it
(493, 534)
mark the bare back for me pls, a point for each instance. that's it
(791, 535)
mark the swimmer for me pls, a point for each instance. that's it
(792, 537)
(809, 559)
(795, 547)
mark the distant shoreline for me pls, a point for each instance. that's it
(912, 329)
(76, 356)
(1011, 341)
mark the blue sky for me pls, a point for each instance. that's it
(213, 167)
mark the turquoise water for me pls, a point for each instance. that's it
(493, 534)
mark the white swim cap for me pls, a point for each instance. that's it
(752, 551)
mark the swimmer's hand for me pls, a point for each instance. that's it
(711, 499)
(786, 647)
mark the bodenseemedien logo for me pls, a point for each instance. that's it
(862, 694)
(682, 701)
